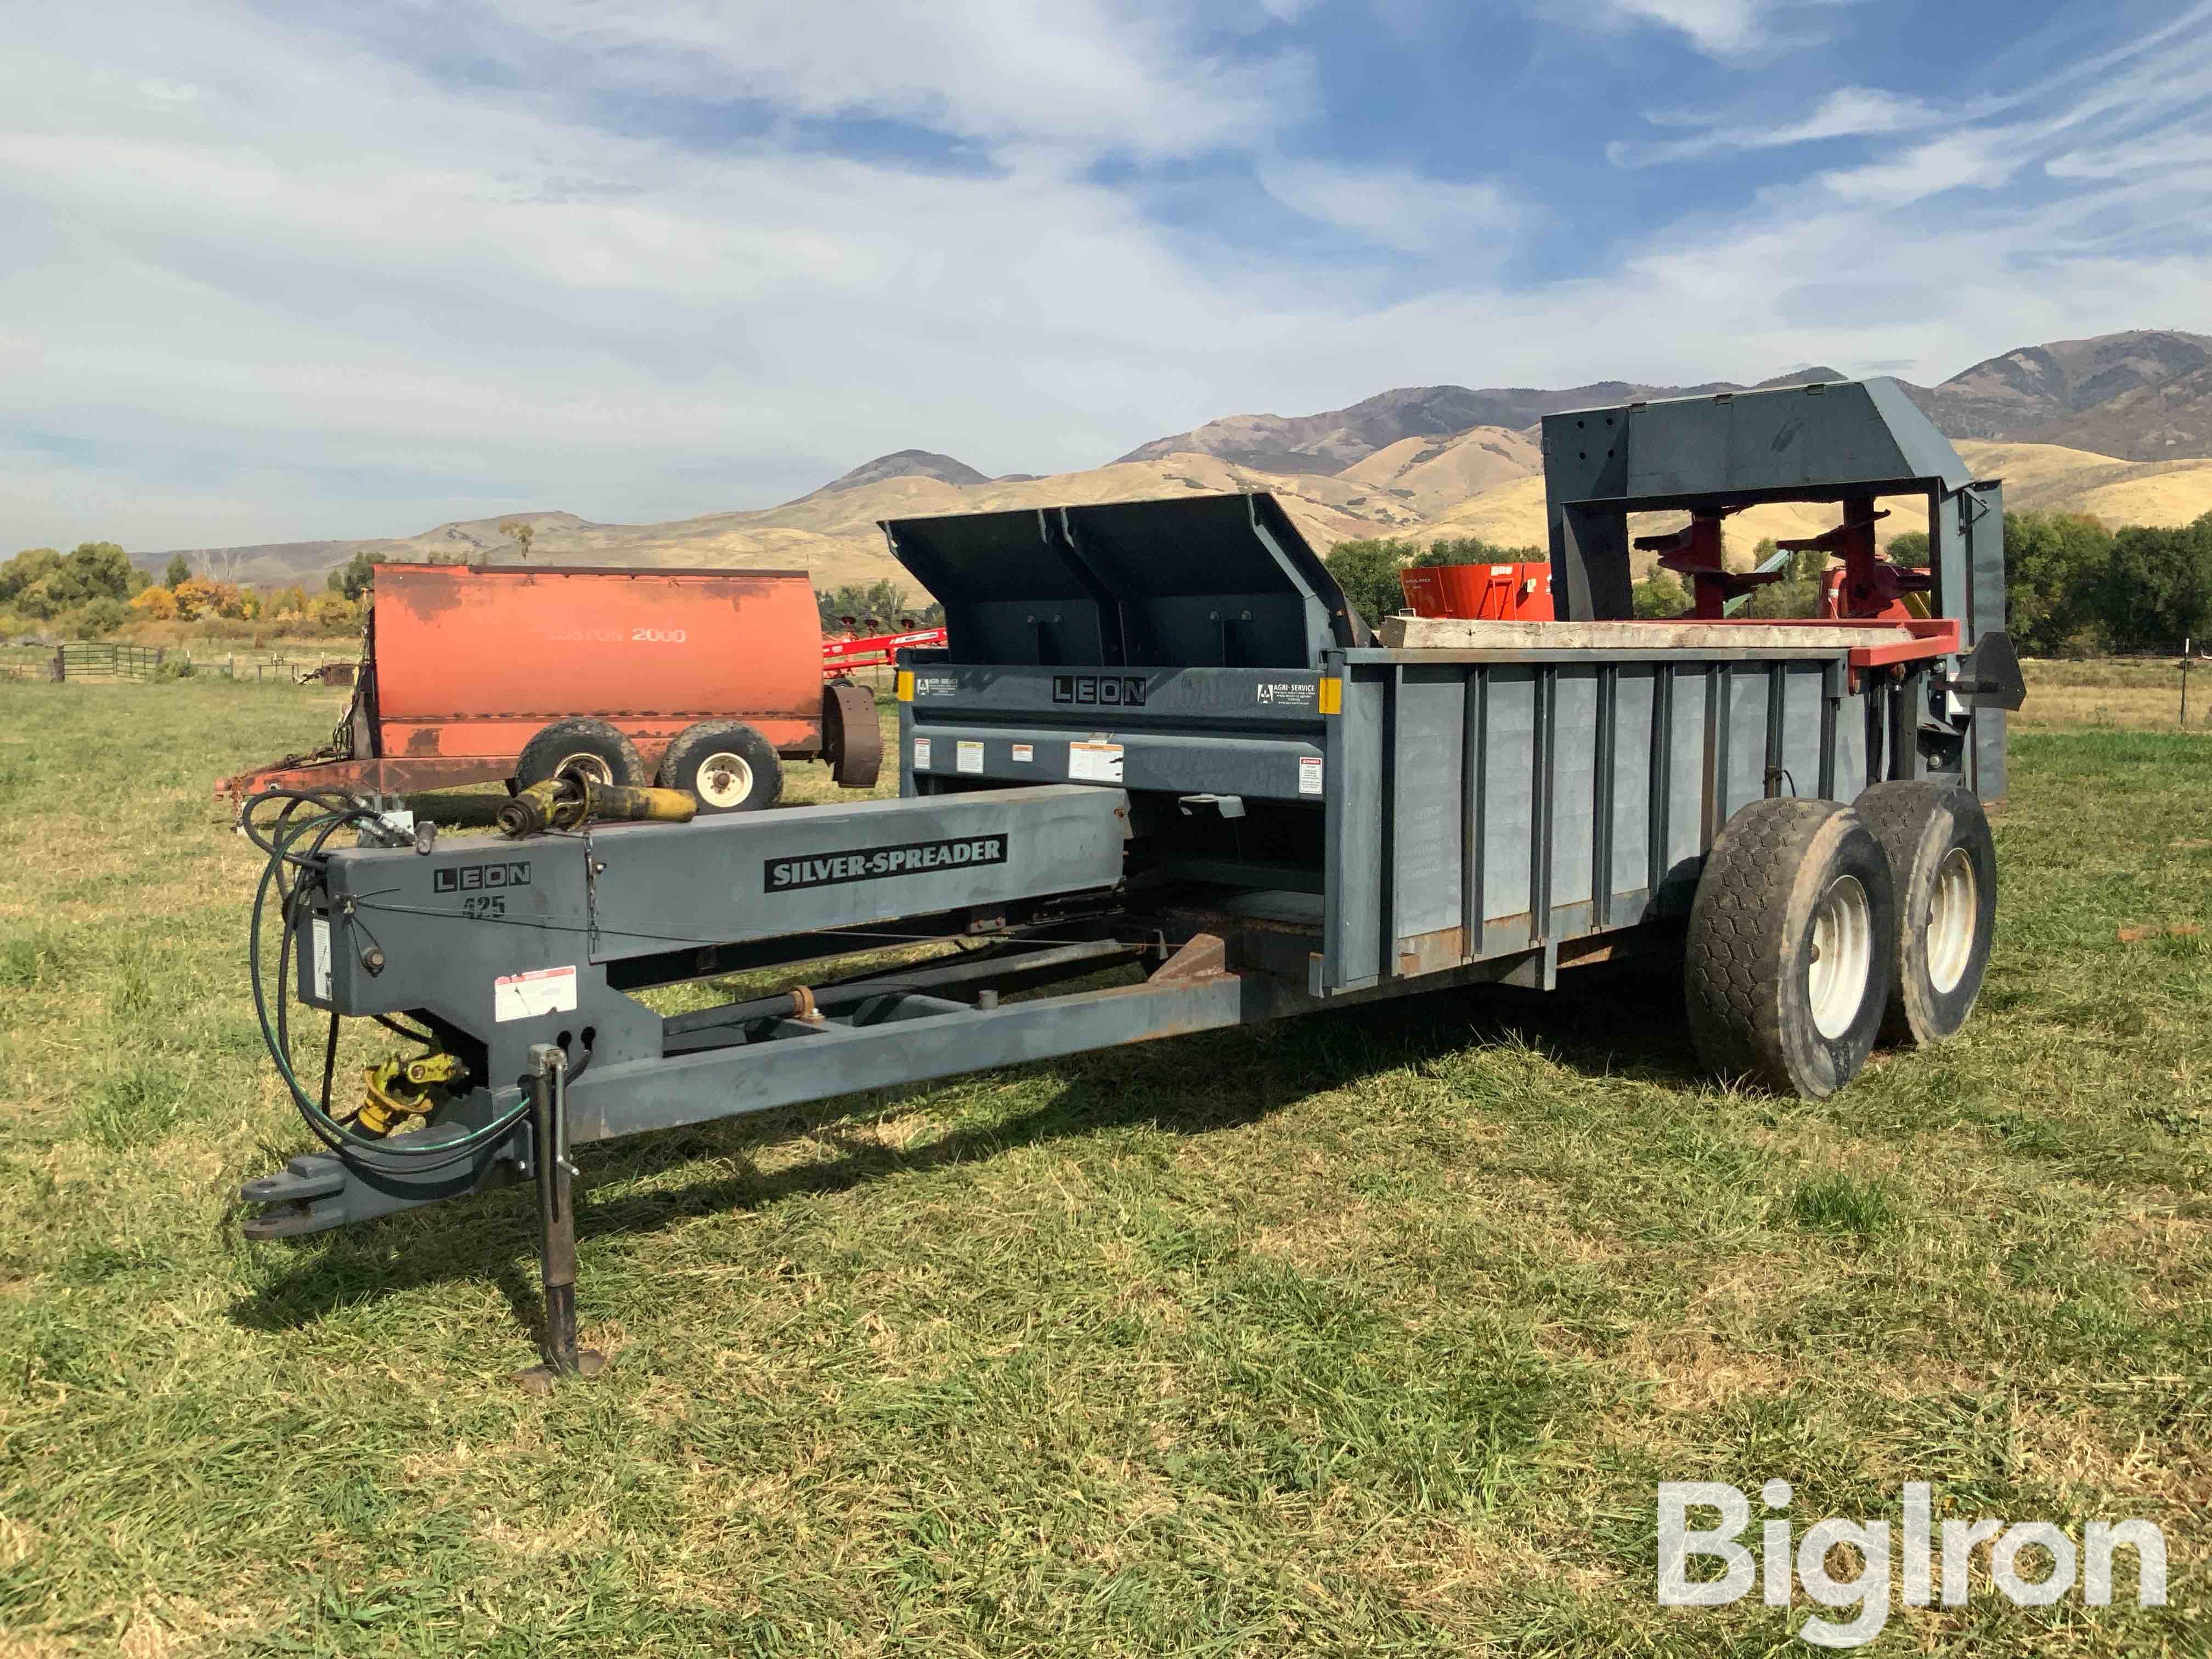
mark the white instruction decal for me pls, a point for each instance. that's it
(1094, 762)
(1025, 753)
(540, 991)
(1308, 774)
(921, 754)
(321, 929)
(968, 756)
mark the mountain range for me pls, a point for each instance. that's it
(2119, 425)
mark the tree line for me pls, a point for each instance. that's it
(94, 590)
(91, 585)
(869, 603)
(2073, 586)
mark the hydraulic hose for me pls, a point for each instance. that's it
(278, 839)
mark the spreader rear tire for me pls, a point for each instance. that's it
(591, 747)
(1945, 866)
(1791, 949)
(725, 765)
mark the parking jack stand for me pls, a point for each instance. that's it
(557, 1217)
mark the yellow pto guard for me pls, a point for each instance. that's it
(399, 1090)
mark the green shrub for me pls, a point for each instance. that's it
(1367, 569)
(1473, 549)
(1659, 594)
(98, 618)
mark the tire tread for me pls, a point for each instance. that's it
(1735, 936)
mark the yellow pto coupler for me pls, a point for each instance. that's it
(398, 1089)
(566, 801)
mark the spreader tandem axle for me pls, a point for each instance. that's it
(1161, 755)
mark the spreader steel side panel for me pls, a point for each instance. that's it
(1477, 809)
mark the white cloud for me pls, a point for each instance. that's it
(330, 295)
(2158, 152)
(1845, 112)
(1394, 207)
(1967, 160)
(1725, 29)
(1090, 72)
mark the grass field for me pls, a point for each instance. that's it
(2115, 694)
(1370, 1334)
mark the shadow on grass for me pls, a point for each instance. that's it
(1615, 1020)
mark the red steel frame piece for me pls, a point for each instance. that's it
(1695, 551)
(398, 776)
(842, 657)
(1867, 584)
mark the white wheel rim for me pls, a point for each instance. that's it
(1843, 956)
(587, 765)
(723, 779)
(1955, 912)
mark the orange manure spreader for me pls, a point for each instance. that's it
(698, 680)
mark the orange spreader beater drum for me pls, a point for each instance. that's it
(1488, 592)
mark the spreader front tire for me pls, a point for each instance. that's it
(1792, 947)
(725, 765)
(589, 748)
(1945, 867)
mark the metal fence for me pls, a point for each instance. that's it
(109, 662)
(26, 662)
(101, 659)
(280, 665)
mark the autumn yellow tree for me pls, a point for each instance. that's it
(199, 597)
(155, 604)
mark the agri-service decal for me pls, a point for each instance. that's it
(912, 857)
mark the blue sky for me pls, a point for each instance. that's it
(303, 269)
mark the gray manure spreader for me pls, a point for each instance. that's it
(1163, 762)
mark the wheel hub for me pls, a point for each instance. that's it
(1953, 915)
(587, 765)
(723, 779)
(1842, 956)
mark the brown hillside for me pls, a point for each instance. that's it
(2119, 426)
(1431, 475)
(1412, 489)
